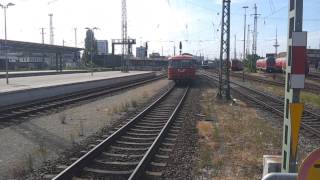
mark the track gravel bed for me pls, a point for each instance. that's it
(184, 156)
(59, 136)
(306, 144)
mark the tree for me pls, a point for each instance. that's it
(90, 48)
(250, 62)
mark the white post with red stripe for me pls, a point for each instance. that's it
(295, 78)
(298, 66)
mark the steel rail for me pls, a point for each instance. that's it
(49, 103)
(280, 112)
(76, 168)
(309, 87)
(278, 99)
(140, 169)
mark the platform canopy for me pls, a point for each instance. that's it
(21, 46)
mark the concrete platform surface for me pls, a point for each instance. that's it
(23, 83)
(31, 72)
(38, 73)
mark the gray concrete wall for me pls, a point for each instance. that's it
(29, 95)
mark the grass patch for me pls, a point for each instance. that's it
(306, 97)
(23, 167)
(233, 146)
(134, 103)
(311, 98)
(63, 118)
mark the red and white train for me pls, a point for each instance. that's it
(275, 65)
(236, 65)
(281, 64)
(182, 68)
(266, 64)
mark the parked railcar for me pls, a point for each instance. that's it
(236, 65)
(267, 64)
(281, 65)
(181, 68)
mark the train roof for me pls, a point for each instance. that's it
(181, 57)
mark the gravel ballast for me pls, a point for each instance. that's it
(45, 138)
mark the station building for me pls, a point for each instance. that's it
(33, 56)
(141, 52)
(102, 47)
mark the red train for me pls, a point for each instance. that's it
(182, 68)
(236, 65)
(275, 65)
(267, 64)
(281, 64)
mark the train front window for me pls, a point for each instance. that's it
(181, 64)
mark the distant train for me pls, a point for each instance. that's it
(205, 65)
(267, 64)
(236, 65)
(181, 68)
(281, 64)
(273, 65)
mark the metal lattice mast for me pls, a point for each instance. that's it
(42, 35)
(124, 30)
(235, 47)
(51, 29)
(224, 85)
(75, 38)
(244, 32)
(276, 45)
(255, 30)
(248, 40)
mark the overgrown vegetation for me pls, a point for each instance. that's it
(306, 97)
(232, 146)
(311, 98)
(250, 62)
(91, 48)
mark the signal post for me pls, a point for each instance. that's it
(295, 77)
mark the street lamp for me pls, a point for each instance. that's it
(91, 50)
(4, 7)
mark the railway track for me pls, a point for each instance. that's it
(314, 76)
(309, 87)
(17, 113)
(310, 120)
(139, 148)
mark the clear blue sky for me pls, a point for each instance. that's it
(204, 22)
(161, 22)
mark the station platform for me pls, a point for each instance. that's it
(38, 73)
(25, 89)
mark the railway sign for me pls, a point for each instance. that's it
(310, 168)
(295, 76)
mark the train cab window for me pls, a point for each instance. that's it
(181, 63)
(271, 61)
